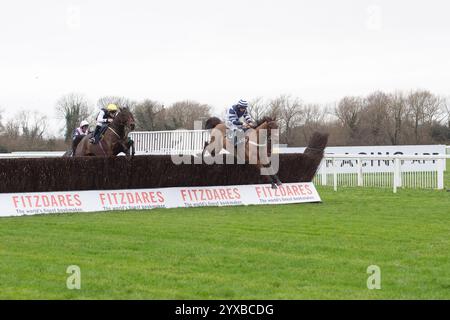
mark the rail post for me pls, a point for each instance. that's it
(359, 168)
(440, 174)
(334, 175)
(397, 174)
(323, 172)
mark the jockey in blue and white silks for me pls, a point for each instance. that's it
(234, 116)
(235, 113)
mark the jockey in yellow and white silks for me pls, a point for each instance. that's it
(104, 118)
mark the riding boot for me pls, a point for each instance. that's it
(96, 136)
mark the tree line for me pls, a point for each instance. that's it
(398, 118)
(414, 117)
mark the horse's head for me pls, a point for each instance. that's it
(270, 126)
(125, 119)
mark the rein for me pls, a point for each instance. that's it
(260, 144)
(114, 132)
(256, 144)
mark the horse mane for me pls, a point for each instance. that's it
(122, 116)
(264, 119)
(212, 122)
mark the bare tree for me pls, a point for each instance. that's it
(289, 111)
(72, 108)
(349, 114)
(12, 129)
(33, 125)
(258, 108)
(150, 116)
(446, 111)
(374, 118)
(121, 102)
(2, 128)
(182, 114)
(396, 116)
(314, 119)
(423, 108)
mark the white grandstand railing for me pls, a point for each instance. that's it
(170, 142)
(382, 171)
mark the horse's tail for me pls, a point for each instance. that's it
(212, 122)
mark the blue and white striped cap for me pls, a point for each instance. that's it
(243, 103)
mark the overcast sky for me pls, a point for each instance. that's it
(217, 52)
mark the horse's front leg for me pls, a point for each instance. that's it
(209, 149)
(126, 148)
(273, 182)
(133, 148)
(277, 180)
(272, 179)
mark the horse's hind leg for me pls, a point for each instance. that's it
(272, 181)
(206, 149)
(210, 147)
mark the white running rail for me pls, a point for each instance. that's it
(170, 142)
(396, 171)
(31, 154)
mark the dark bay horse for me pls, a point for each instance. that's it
(114, 140)
(258, 144)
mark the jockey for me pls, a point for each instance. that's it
(82, 130)
(234, 114)
(104, 118)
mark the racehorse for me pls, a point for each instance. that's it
(127, 147)
(114, 139)
(255, 141)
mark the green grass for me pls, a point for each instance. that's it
(308, 251)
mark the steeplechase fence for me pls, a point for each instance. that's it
(364, 166)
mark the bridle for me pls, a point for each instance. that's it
(114, 131)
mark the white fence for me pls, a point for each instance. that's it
(32, 154)
(398, 171)
(170, 142)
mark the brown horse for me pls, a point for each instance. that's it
(114, 140)
(258, 144)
